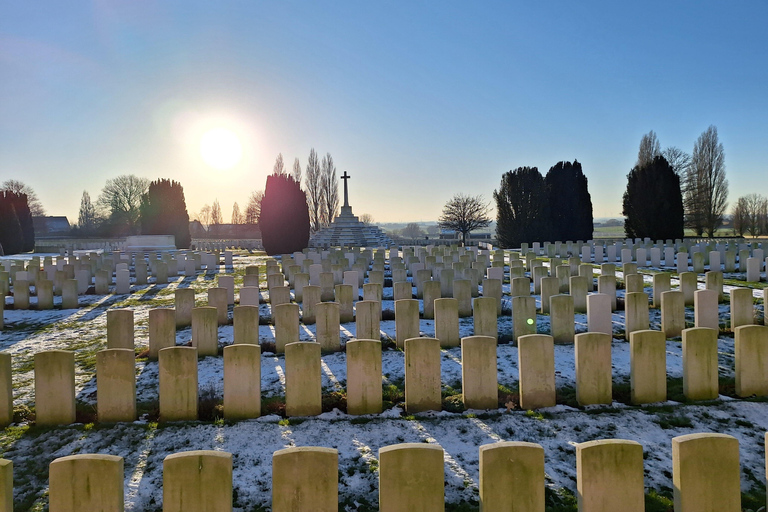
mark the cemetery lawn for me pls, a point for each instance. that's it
(145, 443)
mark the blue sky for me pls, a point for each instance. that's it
(416, 100)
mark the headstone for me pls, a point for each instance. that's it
(177, 369)
(520, 287)
(328, 326)
(249, 296)
(300, 281)
(493, 288)
(753, 270)
(406, 320)
(672, 313)
(86, 482)
(303, 394)
(242, 381)
(599, 318)
(539, 273)
(562, 318)
(578, 288)
(327, 284)
(411, 477)
(286, 319)
(228, 283)
(120, 328)
(246, 325)
(549, 286)
(305, 478)
(478, 372)
(69, 298)
(447, 322)
(714, 281)
(116, 385)
(606, 285)
(512, 465)
(523, 316)
(422, 375)
(536, 363)
(705, 309)
(592, 351)
(484, 316)
(21, 294)
(217, 298)
(648, 367)
(751, 355)
(636, 314)
(44, 289)
(634, 283)
(368, 320)
(54, 387)
(6, 484)
(700, 364)
(344, 294)
(197, 481)
(661, 284)
(162, 330)
(742, 308)
(184, 302)
(101, 283)
(609, 476)
(364, 377)
(6, 395)
(161, 273)
(706, 474)
(688, 286)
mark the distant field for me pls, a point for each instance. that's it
(618, 232)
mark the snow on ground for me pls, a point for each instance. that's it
(144, 444)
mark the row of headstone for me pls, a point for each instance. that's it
(178, 385)
(609, 477)
(71, 277)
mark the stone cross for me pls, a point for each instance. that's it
(345, 177)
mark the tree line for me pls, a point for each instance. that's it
(535, 208)
(669, 190)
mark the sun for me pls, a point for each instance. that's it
(221, 148)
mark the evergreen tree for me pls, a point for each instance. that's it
(20, 204)
(284, 219)
(164, 212)
(522, 213)
(11, 235)
(86, 220)
(570, 204)
(653, 202)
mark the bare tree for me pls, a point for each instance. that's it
(17, 187)
(706, 189)
(753, 209)
(739, 217)
(121, 198)
(412, 230)
(678, 159)
(86, 220)
(366, 219)
(204, 216)
(237, 217)
(314, 189)
(330, 190)
(296, 171)
(649, 149)
(278, 167)
(464, 214)
(253, 209)
(216, 217)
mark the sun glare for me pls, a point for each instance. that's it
(221, 148)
